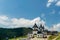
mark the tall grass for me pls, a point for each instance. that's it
(52, 37)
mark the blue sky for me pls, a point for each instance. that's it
(31, 9)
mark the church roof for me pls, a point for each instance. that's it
(35, 26)
(41, 26)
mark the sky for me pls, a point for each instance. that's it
(20, 13)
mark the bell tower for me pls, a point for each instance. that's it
(35, 29)
(41, 28)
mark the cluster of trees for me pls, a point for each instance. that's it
(11, 33)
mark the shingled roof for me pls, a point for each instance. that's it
(41, 26)
(35, 26)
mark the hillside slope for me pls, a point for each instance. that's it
(11, 33)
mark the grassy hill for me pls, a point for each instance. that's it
(18, 33)
(18, 38)
(11, 33)
(58, 37)
(53, 37)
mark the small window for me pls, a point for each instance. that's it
(38, 35)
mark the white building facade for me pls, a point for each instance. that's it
(38, 32)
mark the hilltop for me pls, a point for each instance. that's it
(11, 33)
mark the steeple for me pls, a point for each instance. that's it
(35, 29)
(41, 26)
(35, 26)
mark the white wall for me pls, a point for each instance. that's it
(40, 35)
(35, 32)
(30, 35)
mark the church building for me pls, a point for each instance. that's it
(39, 32)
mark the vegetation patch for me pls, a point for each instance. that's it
(52, 37)
(58, 38)
(18, 38)
(6, 34)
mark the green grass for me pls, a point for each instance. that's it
(51, 37)
(58, 38)
(18, 38)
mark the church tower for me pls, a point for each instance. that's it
(35, 29)
(41, 28)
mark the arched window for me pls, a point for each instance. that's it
(38, 35)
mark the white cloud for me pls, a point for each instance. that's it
(43, 16)
(58, 3)
(3, 17)
(55, 27)
(55, 2)
(51, 1)
(6, 22)
(48, 4)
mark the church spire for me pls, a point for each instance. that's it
(41, 26)
(35, 26)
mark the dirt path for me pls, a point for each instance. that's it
(56, 37)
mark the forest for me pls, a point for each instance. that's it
(6, 33)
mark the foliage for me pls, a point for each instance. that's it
(11, 33)
(58, 38)
(52, 37)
